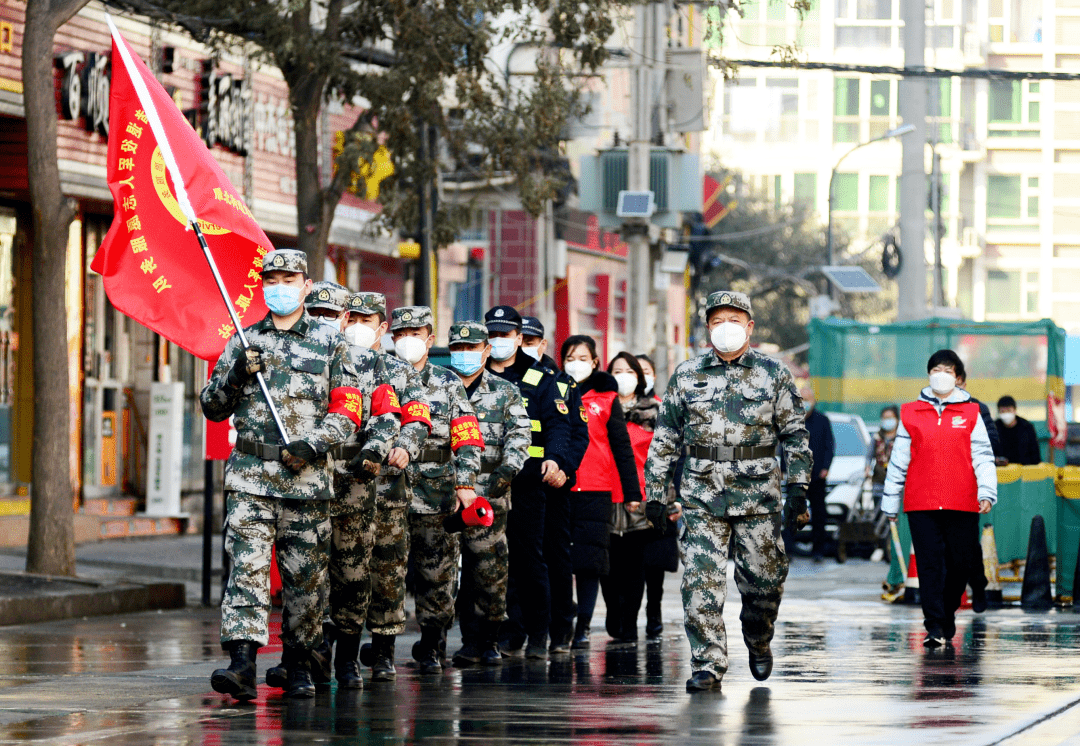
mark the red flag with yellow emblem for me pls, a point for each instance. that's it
(151, 261)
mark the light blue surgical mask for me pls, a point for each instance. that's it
(282, 299)
(502, 348)
(466, 362)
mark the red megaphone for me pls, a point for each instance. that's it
(480, 513)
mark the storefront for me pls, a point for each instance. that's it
(241, 111)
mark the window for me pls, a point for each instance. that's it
(1003, 197)
(879, 194)
(846, 193)
(785, 92)
(806, 189)
(846, 110)
(1031, 292)
(865, 24)
(1002, 292)
(1012, 202)
(939, 107)
(882, 106)
(1014, 108)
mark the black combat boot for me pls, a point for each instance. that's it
(238, 680)
(322, 657)
(382, 657)
(490, 655)
(278, 676)
(298, 663)
(346, 667)
(427, 650)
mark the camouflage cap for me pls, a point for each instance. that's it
(411, 317)
(328, 295)
(285, 260)
(469, 332)
(531, 326)
(729, 298)
(368, 303)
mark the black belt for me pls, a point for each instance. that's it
(731, 453)
(346, 451)
(265, 451)
(434, 455)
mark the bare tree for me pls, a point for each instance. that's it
(51, 547)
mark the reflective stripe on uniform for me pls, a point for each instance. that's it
(535, 425)
(536, 451)
(562, 388)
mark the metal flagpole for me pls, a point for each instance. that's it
(185, 204)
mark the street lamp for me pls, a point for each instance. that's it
(898, 132)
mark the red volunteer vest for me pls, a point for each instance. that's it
(597, 472)
(940, 475)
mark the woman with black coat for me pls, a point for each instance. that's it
(607, 488)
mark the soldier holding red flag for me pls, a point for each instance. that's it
(278, 494)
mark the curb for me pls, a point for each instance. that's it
(66, 598)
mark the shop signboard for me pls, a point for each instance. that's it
(163, 474)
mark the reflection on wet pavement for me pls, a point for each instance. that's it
(846, 673)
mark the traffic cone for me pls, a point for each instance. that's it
(1035, 592)
(911, 586)
(990, 567)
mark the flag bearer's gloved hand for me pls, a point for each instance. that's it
(248, 363)
(297, 455)
(796, 513)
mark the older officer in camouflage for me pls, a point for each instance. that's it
(442, 480)
(365, 327)
(278, 494)
(352, 512)
(726, 411)
(507, 434)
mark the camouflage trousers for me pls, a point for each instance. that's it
(300, 529)
(484, 567)
(352, 516)
(435, 555)
(761, 566)
(389, 557)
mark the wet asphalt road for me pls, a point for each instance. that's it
(849, 670)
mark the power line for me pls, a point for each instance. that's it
(901, 72)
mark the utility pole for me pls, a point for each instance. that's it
(912, 279)
(648, 74)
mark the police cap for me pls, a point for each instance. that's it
(502, 319)
(531, 327)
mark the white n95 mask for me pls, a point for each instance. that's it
(728, 337)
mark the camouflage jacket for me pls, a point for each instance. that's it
(455, 436)
(382, 413)
(506, 430)
(750, 401)
(415, 414)
(312, 380)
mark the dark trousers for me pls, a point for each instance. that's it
(528, 595)
(815, 495)
(588, 588)
(624, 585)
(946, 544)
(560, 568)
(654, 590)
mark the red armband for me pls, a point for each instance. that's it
(384, 401)
(465, 431)
(416, 411)
(347, 401)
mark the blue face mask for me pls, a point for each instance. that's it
(282, 299)
(503, 347)
(466, 362)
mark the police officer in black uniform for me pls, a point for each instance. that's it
(557, 519)
(529, 592)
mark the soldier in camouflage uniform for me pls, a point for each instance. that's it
(278, 494)
(442, 479)
(726, 411)
(390, 553)
(507, 434)
(352, 512)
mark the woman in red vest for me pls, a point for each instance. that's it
(606, 501)
(943, 465)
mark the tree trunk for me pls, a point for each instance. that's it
(312, 229)
(51, 546)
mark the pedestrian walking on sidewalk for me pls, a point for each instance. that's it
(943, 465)
(726, 411)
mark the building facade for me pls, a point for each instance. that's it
(1009, 150)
